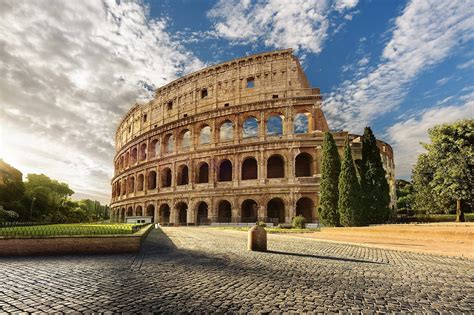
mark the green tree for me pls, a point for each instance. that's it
(405, 195)
(450, 159)
(330, 169)
(374, 185)
(349, 190)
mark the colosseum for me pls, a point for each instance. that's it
(235, 142)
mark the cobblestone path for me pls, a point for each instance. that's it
(202, 269)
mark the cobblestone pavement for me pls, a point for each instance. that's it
(202, 269)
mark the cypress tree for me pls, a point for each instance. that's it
(330, 168)
(349, 190)
(374, 185)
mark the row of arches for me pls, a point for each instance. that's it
(274, 212)
(225, 130)
(275, 168)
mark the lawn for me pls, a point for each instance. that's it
(270, 230)
(70, 229)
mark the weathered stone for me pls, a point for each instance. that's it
(257, 239)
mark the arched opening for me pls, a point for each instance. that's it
(303, 165)
(275, 167)
(275, 126)
(301, 123)
(122, 215)
(202, 213)
(225, 171)
(249, 211)
(183, 175)
(226, 131)
(143, 152)
(118, 188)
(154, 148)
(131, 184)
(127, 159)
(164, 214)
(129, 212)
(139, 211)
(304, 207)
(249, 169)
(121, 162)
(168, 143)
(276, 211)
(182, 208)
(203, 173)
(205, 135)
(166, 177)
(140, 181)
(185, 140)
(124, 186)
(224, 211)
(152, 180)
(250, 127)
(133, 156)
(150, 212)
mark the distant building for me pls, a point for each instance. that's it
(138, 219)
(8, 172)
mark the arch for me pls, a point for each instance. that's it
(226, 131)
(203, 173)
(166, 177)
(154, 148)
(276, 211)
(275, 166)
(303, 165)
(301, 123)
(249, 168)
(127, 159)
(182, 209)
(202, 216)
(118, 188)
(250, 127)
(122, 215)
(140, 182)
(275, 125)
(164, 214)
(225, 171)
(124, 186)
(152, 180)
(304, 207)
(185, 139)
(183, 175)
(168, 143)
(131, 184)
(249, 211)
(134, 156)
(143, 152)
(121, 162)
(224, 211)
(205, 135)
(139, 211)
(129, 211)
(150, 212)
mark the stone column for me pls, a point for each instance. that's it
(261, 212)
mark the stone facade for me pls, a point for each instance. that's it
(9, 173)
(234, 142)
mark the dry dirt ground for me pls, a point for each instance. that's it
(449, 239)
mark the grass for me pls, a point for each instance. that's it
(440, 218)
(270, 230)
(70, 229)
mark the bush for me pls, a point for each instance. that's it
(298, 222)
(262, 224)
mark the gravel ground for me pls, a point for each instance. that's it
(202, 269)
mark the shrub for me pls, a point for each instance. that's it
(262, 224)
(299, 222)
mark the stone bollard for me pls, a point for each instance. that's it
(257, 239)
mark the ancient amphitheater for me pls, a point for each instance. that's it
(234, 142)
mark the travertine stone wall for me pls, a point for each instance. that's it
(205, 149)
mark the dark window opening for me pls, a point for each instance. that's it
(185, 115)
(304, 207)
(225, 171)
(203, 176)
(249, 169)
(249, 211)
(166, 180)
(144, 118)
(303, 165)
(164, 213)
(276, 211)
(224, 213)
(182, 213)
(250, 82)
(170, 105)
(183, 176)
(226, 105)
(275, 167)
(275, 96)
(203, 93)
(202, 214)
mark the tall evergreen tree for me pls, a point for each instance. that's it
(349, 190)
(374, 185)
(330, 168)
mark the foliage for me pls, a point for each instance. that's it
(261, 223)
(298, 222)
(68, 229)
(405, 195)
(12, 197)
(374, 186)
(349, 190)
(330, 168)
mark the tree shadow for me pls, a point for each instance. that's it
(323, 257)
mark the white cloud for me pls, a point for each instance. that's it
(405, 136)
(423, 36)
(70, 69)
(466, 65)
(299, 24)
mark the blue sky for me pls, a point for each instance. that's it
(400, 67)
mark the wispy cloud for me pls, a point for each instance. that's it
(424, 35)
(299, 24)
(70, 69)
